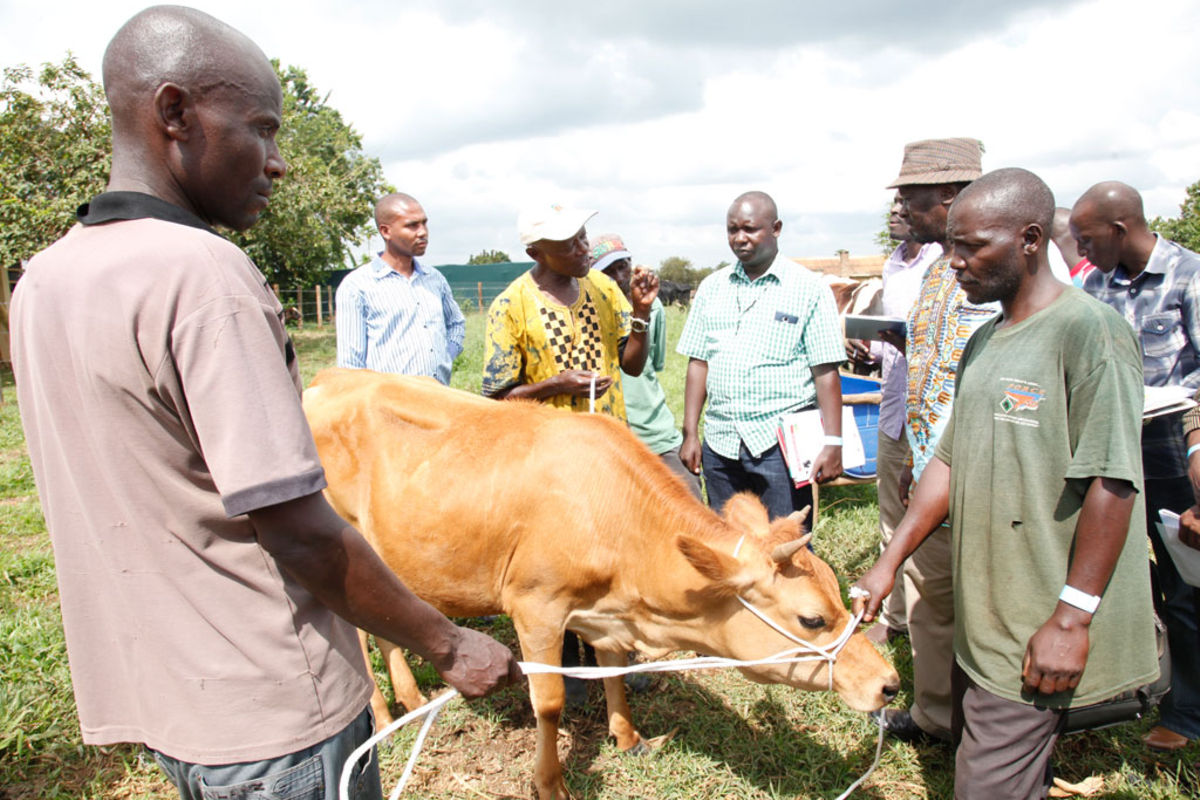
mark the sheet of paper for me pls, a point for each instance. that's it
(1166, 400)
(802, 436)
(1187, 559)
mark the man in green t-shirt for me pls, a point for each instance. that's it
(645, 401)
(1051, 592)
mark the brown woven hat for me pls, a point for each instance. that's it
(940, 161)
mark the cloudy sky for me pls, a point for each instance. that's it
(659, 112)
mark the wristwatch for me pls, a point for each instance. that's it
(638, 324)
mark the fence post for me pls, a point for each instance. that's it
(329, 299)
(5, 298)
(300, 308)
(479, 291)
(320, 318)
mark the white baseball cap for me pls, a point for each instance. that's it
(553, 222)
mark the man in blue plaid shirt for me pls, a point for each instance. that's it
(764, 339)
(1155, 284)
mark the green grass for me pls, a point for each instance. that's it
(733, 739)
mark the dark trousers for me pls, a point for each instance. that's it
(1178, 606)
(766, 476)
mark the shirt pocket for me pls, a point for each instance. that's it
(781, 336)
(1162, 334)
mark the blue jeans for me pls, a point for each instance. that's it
(309, 774)
(1178, 605)
(767, 476)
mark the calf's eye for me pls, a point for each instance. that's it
(812, 623)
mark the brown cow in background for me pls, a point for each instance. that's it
(568, 521)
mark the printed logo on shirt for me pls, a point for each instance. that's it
(1020, 402)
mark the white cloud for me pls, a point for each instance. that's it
(659, 113)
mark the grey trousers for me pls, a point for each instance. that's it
(308, 774)
(1004, 747)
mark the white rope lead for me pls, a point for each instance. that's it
(592, 395)
(806, 652)
(430, 711)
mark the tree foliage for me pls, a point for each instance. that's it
(680, 270)
(883, 236)
(54, 153)
(489, 257)
(322, 207)
(1185, 229)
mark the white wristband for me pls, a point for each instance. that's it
(833, 441)
(1081, 600)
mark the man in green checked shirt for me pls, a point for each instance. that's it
(764, 340)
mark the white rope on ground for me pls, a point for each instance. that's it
(430, 711)
(806, 652)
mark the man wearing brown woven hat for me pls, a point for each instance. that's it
(931, 175)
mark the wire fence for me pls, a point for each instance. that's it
(312, 306)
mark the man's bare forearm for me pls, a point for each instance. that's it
(927, 510)
(695, 393)
(332, 560)
(1100, 534)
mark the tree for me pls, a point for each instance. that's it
(490, 257)
(680, 270)
(322, 207)
(1186, 228)
(883, 236)
(675, 268)
(54, 153)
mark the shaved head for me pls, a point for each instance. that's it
(761, 202)
(178, 45)
(752, 226)
(392, 204)
(405, 230)
(998, 230)
(1109, 225)
(1013, 197)
(1113, 201)
(195, 110)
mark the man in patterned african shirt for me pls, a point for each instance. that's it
(561, 333)
(941, 321)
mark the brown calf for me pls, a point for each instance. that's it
(566, 521)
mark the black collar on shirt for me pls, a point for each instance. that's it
(112, 206)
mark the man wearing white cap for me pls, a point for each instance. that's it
(561, 333)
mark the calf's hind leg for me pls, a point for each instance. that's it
(403, 684)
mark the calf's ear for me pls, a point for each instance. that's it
(725, 571)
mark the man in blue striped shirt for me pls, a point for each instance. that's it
(1155, 285)
(395, 314)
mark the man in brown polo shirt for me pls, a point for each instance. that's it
(209, 594)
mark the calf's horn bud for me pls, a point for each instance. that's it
(784, 552)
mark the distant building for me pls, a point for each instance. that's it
(843, 265)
